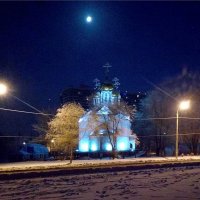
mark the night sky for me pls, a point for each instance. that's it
(48, 46)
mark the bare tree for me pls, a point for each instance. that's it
(111, 122)
(152, 132)
(41, 127)
(164, 103)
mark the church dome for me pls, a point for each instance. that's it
(107, 86)
(115, 93)
(96, 94)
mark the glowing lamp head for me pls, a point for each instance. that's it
(52, 141)
(3, 89)
(89, 19)
(184, 105)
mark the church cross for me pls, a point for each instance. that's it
(107, 66)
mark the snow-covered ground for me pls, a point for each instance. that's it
(160, 184)
(89, 163)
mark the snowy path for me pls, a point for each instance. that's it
(167, 183)
(89, 163)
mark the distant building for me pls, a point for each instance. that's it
(84, 95)
(133, 99)
(79, 95)
(34, 151)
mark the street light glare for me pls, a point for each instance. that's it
(184, 105)
(3, 89)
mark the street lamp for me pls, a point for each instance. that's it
(3, 89)
(52, 146)
(52, 141)
(183, 105)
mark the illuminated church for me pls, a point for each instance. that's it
(94, 136)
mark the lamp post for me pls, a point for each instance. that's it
(52, 146)
(184, 105)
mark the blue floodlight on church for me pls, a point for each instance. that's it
(123, 143)
(83, 147)
(94, 147)
(122, 146)
(108, 147)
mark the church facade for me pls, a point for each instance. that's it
(106, 126)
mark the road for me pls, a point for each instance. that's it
(176, 183)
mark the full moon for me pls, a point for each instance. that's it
(89, 19)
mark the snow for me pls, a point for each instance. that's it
(30, 165)
(166, 183)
